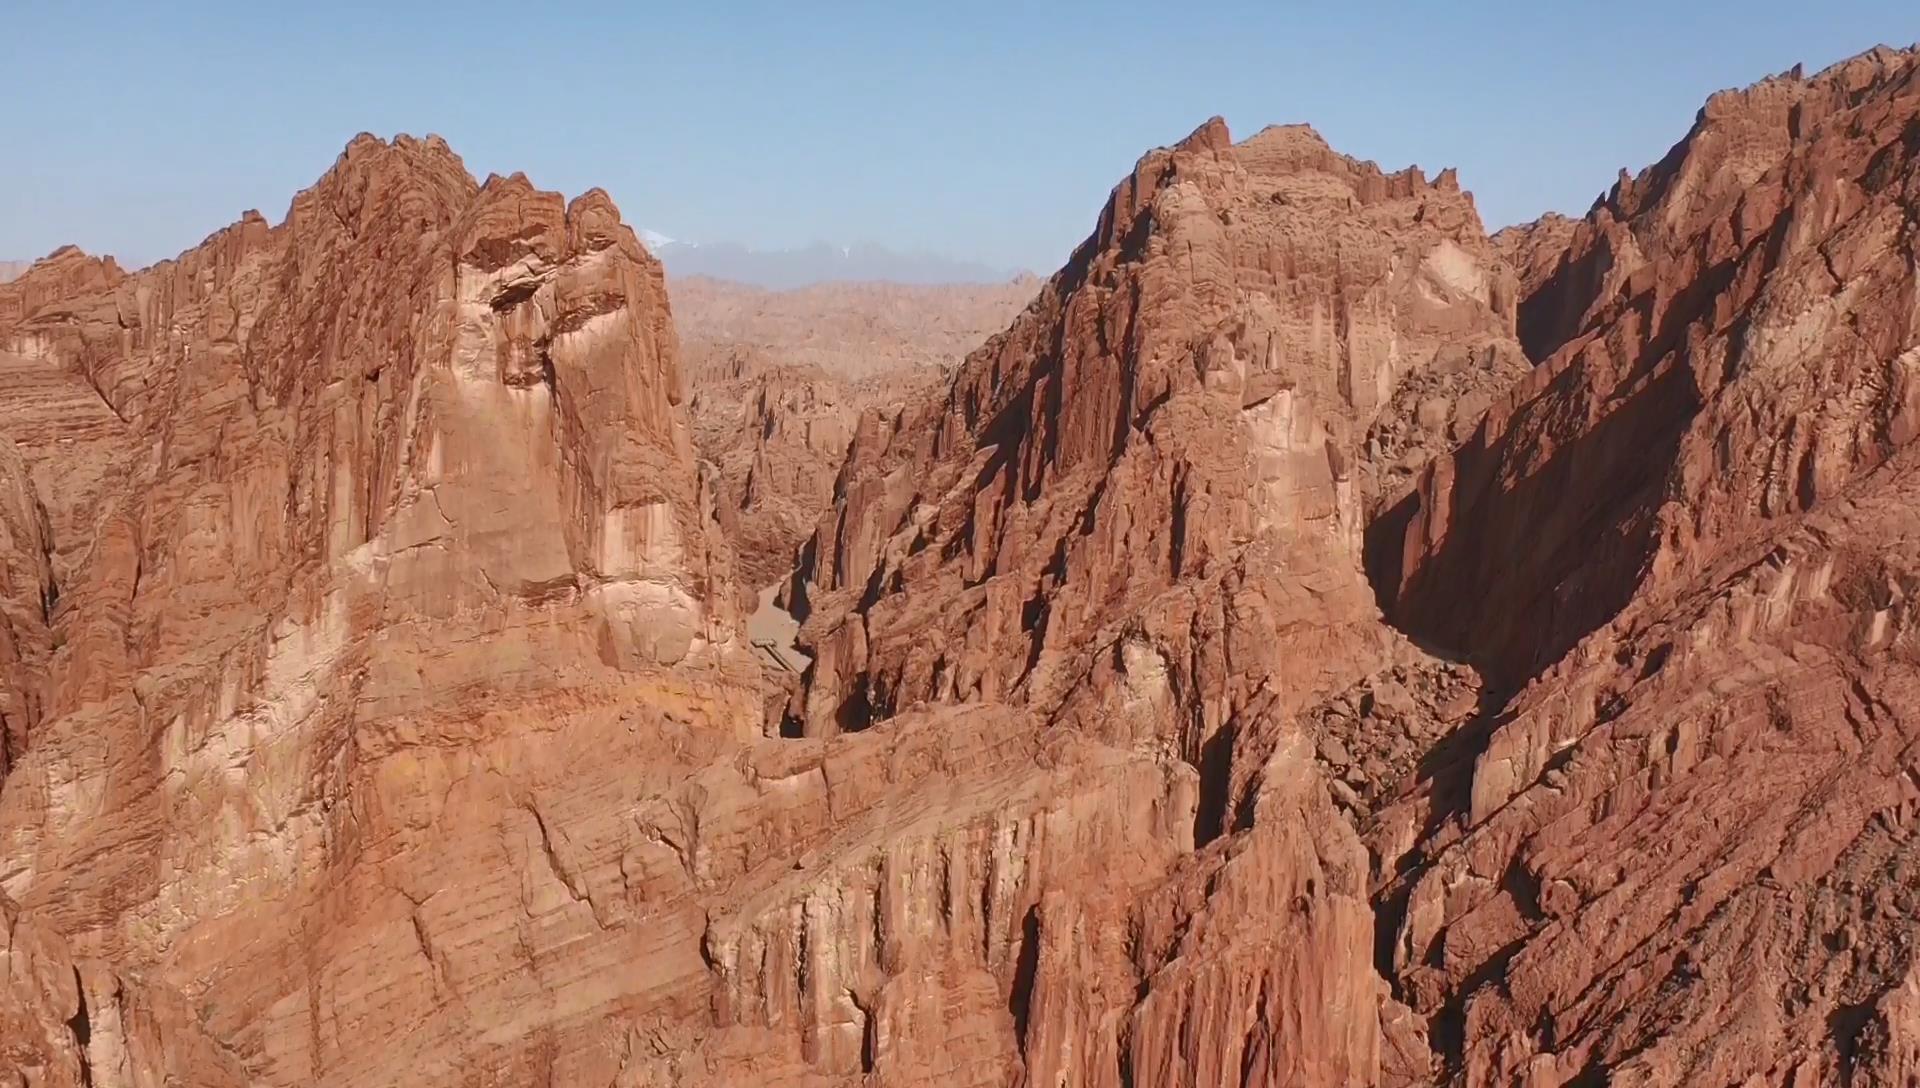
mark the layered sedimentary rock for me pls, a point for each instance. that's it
(68, 1023)
(373, 569)
(1182, 414)
(27, 595)
(1134, 519)
(1683, 852)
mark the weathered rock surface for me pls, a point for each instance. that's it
(1179, 417)
(1682, 853)
(1135, 517)
(359, 538)
(67, 1023)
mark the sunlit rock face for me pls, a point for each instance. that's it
(347, 562)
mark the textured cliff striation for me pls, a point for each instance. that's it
(1683, 852)
(1182, 414)
(76, 1023)
(1134, 519)
(777, 435)
(357, 537)
(1724, 340)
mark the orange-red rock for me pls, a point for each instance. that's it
(374, 540)
(1681, 853)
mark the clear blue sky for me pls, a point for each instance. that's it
(979, 130)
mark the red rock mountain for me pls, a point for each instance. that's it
(1315, 643)
(1682, 852)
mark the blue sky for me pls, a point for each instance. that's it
(983, 131)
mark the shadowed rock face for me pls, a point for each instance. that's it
(378, 708)
(1683, 851)
(69, 1023)
(1191, 402)
(1136, 516)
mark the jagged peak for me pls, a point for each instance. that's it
(595, 199)
(1298, 147)
(1740, 131)
(1295, 134)
(1210, 135)
(67, 257)
(517, 181)
(426, 156)
(1884, 58)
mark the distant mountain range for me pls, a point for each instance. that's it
(781, 269)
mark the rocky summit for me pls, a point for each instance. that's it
(1314, 642)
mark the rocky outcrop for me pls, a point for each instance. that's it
(27, 595)
(378, 707)
(1678, 854)
(1179, 416)
(778, 434)
(1135, 517)
(365, 533)
(1730, 346)
(67, 1023)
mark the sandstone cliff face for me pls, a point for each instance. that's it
(67, 1023)
(1135, 518)
(1181, 414)
(356, 537)
(1680, 853)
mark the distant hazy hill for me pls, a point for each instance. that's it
(818, 263)
(12, 269)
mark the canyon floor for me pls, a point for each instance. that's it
(1306, 640)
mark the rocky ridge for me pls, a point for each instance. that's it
(324, 507)
(1135, 518)
(1679, 853)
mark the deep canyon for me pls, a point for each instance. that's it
(1306, 640)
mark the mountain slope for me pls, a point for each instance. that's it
(1682, 852)
(372, 539)
(1133, 519)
